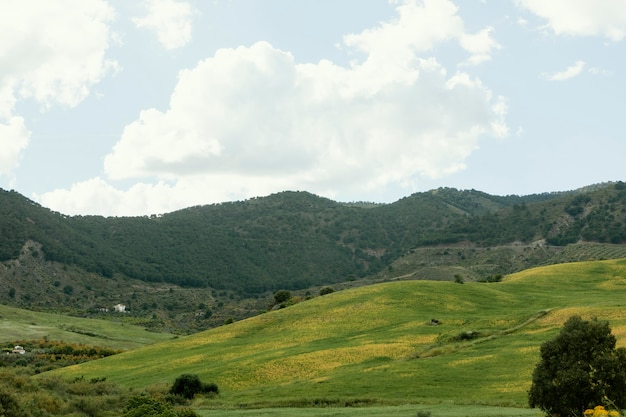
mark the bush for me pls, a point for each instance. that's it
(9, 406)
(143, 406)
(327, 290)
(147, 406)
(282, 296)
(579, 369)
(188, 385)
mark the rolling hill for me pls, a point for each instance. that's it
(389, 343)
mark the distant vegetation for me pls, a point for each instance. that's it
(202, 266)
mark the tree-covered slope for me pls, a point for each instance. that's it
(296, 240)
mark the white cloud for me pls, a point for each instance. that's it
(52, 53)
(250, 120)
(479, 45)
(170, 20)
(571, 72)
(421, 26)
(14, 138)
(600, 71)
(605, 18)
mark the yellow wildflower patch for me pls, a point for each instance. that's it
(600, 411)
(316, 365)
(469, 361)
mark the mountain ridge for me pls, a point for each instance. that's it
(238, 253)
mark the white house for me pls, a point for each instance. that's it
(119, 308)
(19, 349)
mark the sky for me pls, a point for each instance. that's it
(131, 107)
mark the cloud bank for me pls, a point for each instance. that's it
(250, 121)
(44, 60)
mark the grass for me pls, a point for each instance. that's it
(435, 410)
(375, 346)
(19, 324)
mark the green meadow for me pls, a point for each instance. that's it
(17, 324)
(378, 346)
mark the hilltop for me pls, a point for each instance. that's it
(195, 268)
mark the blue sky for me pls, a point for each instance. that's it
(143, 107)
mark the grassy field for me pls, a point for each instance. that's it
(375, 346)
(437, 410)
(18, 324)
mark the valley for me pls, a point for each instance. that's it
(439, 301)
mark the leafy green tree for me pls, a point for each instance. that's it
(282, 296)
(579, 369)
(188, 385)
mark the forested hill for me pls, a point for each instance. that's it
(295, 240)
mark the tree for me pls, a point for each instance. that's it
(188, 385)
(579, 369)
(282, 296)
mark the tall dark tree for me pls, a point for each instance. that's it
(579, 369)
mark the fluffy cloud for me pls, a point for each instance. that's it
(570, 72)
(53, 52)
(250, 120)
(170, 20)
(14, 139)
(605, 18)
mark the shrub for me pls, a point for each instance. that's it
(9, 406)
(579, 369)
(188, 385)
(282, 296)
(327, 290)
(210, 388)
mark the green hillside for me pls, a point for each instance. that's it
(17, 324)
(379, 344)
(296, 240)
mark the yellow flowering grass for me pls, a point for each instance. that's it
(378, 341)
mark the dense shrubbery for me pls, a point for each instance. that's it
(147, 406)
(274, 238)
(44, 355)
(23, 396)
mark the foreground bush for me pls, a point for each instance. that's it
(145, 406)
